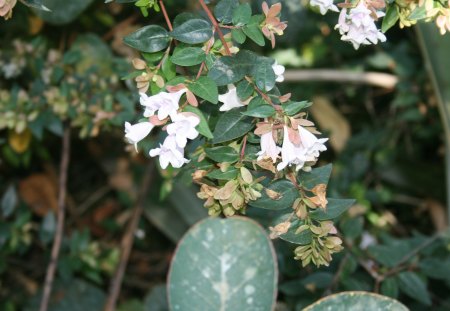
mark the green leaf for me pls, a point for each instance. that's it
(193, 31)
(317, 176)
(292, 108)
(253, 30)
(258, 108)
(9, 201)
(229, 174)
(346, 301)
(242, 14)
(215, 268)
(205, 88)
(264, 76)
(238, 35)
(291, 236)
(335, 208)
(203, 127)
(435, 268)
(188, 56)
(230, 69)
(222, 154)
(244, 90)
(391, 18)
(389, 287)
(413, 286)
(59, 12)
(389, 255)
(148, 39)
(168, 68)
(286, 194)
(232, 124)
(224, 10)
(36, 4)
(156, 300)
(420, 12)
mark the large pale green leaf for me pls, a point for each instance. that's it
(285, 194)
(223, 264)
(356, 301)
(61, 12)
(232, 124)
(193, 31)
(436, 49)
(150, 39)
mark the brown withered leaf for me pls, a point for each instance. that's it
(273, 194)
(267, 164)
(263, 128)
(40, 193)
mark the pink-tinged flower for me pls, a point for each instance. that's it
(279, 71)
(137, 132)
(169, 153)
(183, 127)
(230, 99)
(272, 24)
(324, 5)
(291, 154)
(269, 148)
(358, 26)
(6, 7)
(164, 104)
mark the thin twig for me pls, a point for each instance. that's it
(166, 16)
(50, 275)
(127, 241)
(216, 25)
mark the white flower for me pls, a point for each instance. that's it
(268, 147)
(166, 104)
(358, 26)
(169, 153)
(230, 99)
(311, 143)
(183, 127)
(137, 132)
(324, 5)
(291, 154)
(279, 71)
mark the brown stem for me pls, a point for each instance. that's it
(244, 145)
(216, 25)
(51, 269)
(166, 17)
(202, 66)
(127, 241)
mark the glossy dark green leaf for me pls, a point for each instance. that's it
(148, 39)
(36, 4)
(253, 30)
(168, 69)
(264, 76)
(389, 287)
(238, 35)
(436, 268)
(286, 195)
(335, 208)
(193, 31)
(229, 174)
(222, 154)
(259, 108)
(292, 108)
(413, 286)
(230, 69)
(244, 90)
(347, 301)
(205, 88)
(203, 127)
(232, 124)
(242, 14)
(188, 56)
(291, 236)
(391, 17)
(319, 175)
(216, 268)
(224, 10)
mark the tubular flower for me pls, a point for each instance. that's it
(230, 99)
(137, 132)
(279, 71)
(183, 127)
(164, 104)
(291, 154)
(169, 153)
(324, 6)
(268, 147)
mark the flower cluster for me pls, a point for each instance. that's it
(158, 109)
(356, 24)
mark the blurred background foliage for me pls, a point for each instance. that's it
(65, 68)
